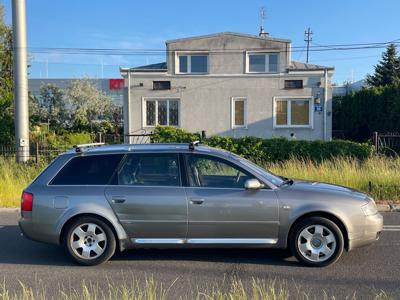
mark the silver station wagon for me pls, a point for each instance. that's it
(95, 200)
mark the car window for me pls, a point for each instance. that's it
(150, 170)
(88, 170)
(210, 171)
(276, 180)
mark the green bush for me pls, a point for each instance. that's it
(170, 134)
(67, 140)
(269, 150)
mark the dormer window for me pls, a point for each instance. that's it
(259, 62)
(193, 63)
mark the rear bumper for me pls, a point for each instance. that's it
(371, 231)
(37, 232)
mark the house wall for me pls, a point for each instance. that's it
(228, 52)
(205, 103)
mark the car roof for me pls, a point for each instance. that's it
(154, 147)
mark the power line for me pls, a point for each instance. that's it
(344, 58)
(158, 52)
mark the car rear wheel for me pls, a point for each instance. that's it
(90, 241)
(317, 242)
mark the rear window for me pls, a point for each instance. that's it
(88, 170)
(150, 170)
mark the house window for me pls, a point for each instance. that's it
(193, 64)
(161, 85)
(239, 112)
(293, 84)
(293, 112)
(161, 112)
(262, 63)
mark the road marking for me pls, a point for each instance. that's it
(391, 228)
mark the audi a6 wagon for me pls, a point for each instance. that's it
(95, 200)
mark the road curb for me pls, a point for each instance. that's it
(395, 207)
(383, 207)
(9, 209)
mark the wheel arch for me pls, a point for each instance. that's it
(67, 223)
(324, 214)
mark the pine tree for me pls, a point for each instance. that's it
(387, 71)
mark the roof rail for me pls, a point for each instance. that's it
(193, 144)
(79, 148)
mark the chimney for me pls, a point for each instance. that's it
(262, 17)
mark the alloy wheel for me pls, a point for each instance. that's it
(316, 243)
(88, 241)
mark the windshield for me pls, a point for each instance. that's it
(274, 179)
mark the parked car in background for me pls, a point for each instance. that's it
(94, 200)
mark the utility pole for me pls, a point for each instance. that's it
(20, 80)
(308, 38)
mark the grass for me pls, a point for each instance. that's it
(258, 289)
(382, 172)
(14, 178)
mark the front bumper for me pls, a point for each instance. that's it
(371, 231)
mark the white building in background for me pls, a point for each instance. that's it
(341, 90)
(231, 84)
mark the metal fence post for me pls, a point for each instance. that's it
(37, 151)
(375, 141)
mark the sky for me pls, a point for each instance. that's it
(132, 24)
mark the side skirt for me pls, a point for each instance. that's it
(207, 241)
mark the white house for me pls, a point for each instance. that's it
(230, 84)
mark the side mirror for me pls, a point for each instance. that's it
(253, 184)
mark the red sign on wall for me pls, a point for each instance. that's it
(116, 84)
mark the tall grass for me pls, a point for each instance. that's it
(258, 289)
(382, 172)
(14, 178)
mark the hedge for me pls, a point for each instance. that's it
(358, 114)
(269, 150)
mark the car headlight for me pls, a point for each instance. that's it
(370, 209)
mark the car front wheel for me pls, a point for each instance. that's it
(90, 241)
(317, 242)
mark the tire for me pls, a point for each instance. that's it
(89, 241)
(316, 242)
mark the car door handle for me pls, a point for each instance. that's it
(117, 200)
(196, 201)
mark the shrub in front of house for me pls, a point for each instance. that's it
(269, 150)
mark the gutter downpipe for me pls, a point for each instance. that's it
(325, 102)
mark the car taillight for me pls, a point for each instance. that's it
(26, 201)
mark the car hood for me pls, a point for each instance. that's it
(316, 186)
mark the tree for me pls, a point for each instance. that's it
(387, 71)
(88, 103)
(6, 82)
(52, 106)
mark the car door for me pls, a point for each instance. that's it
(148, 198)
(221, 210)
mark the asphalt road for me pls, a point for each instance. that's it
(363, 272)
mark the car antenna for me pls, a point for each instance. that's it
(193, 144)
